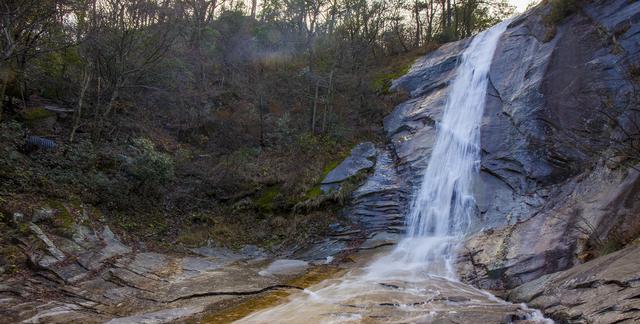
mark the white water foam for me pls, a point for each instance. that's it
(443, 208)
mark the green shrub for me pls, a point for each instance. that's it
(114, 192)
(267, 201)
(151, 168)
(609, 246)
(560, 9)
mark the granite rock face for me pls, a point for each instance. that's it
(545, 138)
(90, 274)
(553, 190)
(379, 203)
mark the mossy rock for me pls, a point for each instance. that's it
(11, 259)
(329, 167)
(63, 221)
(496, 273)
(39, 118)
(382, 82)
(609, 246)
(560, 9)
(267, 201)
(314, 192)
(36, 114)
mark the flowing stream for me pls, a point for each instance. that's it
(416, 282)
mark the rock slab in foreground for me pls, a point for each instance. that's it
(604, 290)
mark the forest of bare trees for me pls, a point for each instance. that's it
(94, 54)
(170, 107)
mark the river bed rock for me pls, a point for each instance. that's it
(95, 277)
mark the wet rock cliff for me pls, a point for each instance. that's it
(559, 183)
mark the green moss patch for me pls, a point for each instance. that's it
(11, 259)
(63, 221)
(36, 114)
(382, 82)
(266, 202)
(313, 192)
(560, 9)
(609, 246)
(194, 237)
(329, 167)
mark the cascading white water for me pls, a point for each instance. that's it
(444, 205)
(441, 211)
(417, 276)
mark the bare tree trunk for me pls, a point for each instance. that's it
(448, 15)
(333, 13)
(416, 12)
(114, 96)
(78, 114)
(328, 103)
(98, 93)
(254, 6)
(400, 40)
(430, 21)
(443, 16)
(3, 89)
(315, 107)
(261, 110)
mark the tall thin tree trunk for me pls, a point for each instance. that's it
(416, 12)
(332, 20)
(315, 107)
(254, 6)
(96, 109)
(3, 89)
(261, 109)
(430, 21)
(114, 96)
(327, 104)
(448, 15)
(78, 114)
(443, 16)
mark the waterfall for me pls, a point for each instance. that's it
(443, 208)
(440, 214)
(416, 274)
(444, 204)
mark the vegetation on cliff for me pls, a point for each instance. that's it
(195, 121)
